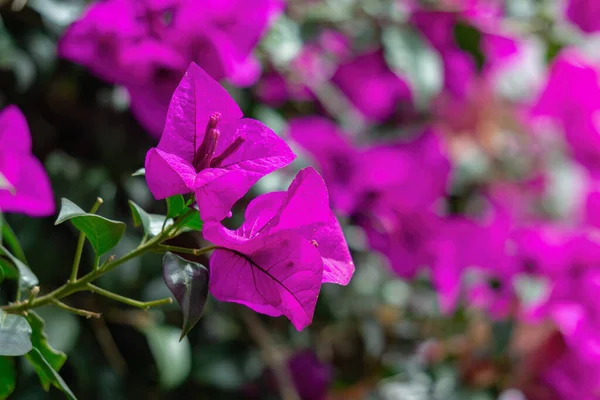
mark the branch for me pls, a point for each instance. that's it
(273, 357)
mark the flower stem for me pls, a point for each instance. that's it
(127, 300)
(81, 243)
(81, 284)
(195, 252)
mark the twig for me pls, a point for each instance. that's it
(83, 313)
(273, 357)
(108, 346)
(127, 300)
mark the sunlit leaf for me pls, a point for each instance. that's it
(193, 222)
(188, 281)
(102, 233)
(175, 204)
(15, 335)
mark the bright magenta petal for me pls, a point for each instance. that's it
(276, 275)
(168, 174)
(260, 153)
(197, 97)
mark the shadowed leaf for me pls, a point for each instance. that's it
(188, 281)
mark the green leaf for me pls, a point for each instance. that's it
(140, 217)
(140, 172)
(468, 38)
(193, 222)
(188, 281)
(173, 357)
(175, 205)
(102, 233)
(151, 223)
(43, 367)
(27, 278)
(15, 335)
(8, 270)
(39, 340)
(8, 377)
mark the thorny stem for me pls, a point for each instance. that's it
(81, 243)
(84, 283)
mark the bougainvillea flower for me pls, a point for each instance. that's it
(585, 14)
(371, 86)
(420, 166)
(289, 244)
(208, 148)
(25, 187)
(461, 68)
(147, 45)
(96, 41)
(571, 99)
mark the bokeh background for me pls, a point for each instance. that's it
(477, 259)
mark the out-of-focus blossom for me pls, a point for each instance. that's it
(572, 306)
(25, 187)
(147, 45)
(289, 244)
(314, 65)
(371, 86)
(585, 14)
(461, 69)
(389, 190)
(571, 99)
(208, 148)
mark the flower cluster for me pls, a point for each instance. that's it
(147, 46)
(290, 242)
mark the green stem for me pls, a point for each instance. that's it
(195, 252)
(126, 300)
(74, 286)
(81, 243)
(77, 311)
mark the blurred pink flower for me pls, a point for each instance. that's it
(585, 14)
(26, 188)
(571, 99)
(372, 87)
(390, 190)
(147, 45)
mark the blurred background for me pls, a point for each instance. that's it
(460, 143)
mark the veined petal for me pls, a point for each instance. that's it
(276, 275)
